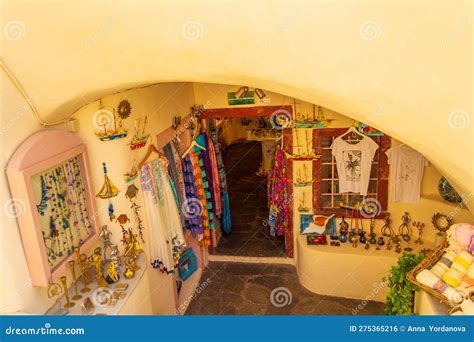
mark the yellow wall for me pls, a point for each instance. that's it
(160, 102)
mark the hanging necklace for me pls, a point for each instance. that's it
(75, 204)
(67, 206)
(54, 217)
(43, 205)
(80, 190)
(60, 209)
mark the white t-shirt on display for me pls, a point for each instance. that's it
(354, 162)
(407, 173)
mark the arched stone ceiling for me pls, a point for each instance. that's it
(403, 67)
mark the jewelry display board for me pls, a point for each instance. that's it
(49, 180)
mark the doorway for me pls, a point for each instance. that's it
(247, 162)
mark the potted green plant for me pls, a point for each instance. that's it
(401, 294)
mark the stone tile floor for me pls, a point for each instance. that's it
(229, 288)
(248, 202)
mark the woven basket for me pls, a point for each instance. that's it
(427, 263)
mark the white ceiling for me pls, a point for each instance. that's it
(401, 66)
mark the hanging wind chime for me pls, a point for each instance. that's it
(108, 191)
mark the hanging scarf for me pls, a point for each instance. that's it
(215, 178)
(207, 168)
(193, 219)
(226, 217)
(278, 196)
(201, 185)
(174, 177)
(166, 232)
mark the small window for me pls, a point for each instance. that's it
(327, 198)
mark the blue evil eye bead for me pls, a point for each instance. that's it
(104, 167)
(111, 210)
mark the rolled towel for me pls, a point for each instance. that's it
(448, 258)
(439, 269)
(443, 265)
(468, 279)
(428, 278)
(462, 261)
(453, 277)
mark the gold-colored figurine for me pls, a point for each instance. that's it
(55, 290)
(96, 260)
(129, 272)
(133, 249)
(86, 277)
(112, 273)
(132, 245)
(68, 304)
(72, 265)
(84, 266)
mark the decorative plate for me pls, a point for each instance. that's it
(447, 191)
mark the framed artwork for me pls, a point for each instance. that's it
(318, 224)
(51, 181)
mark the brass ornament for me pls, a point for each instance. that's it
(96, 260)
(72, 265)
(68, 304)
(55, 290)
(441, 222)
(84, 265)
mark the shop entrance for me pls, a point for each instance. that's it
(247, 160)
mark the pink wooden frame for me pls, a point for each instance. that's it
(38, 153)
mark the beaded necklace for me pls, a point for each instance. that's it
(43, 205)
(80, 190)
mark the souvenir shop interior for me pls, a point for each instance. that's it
(138, 199)
(231, 196)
